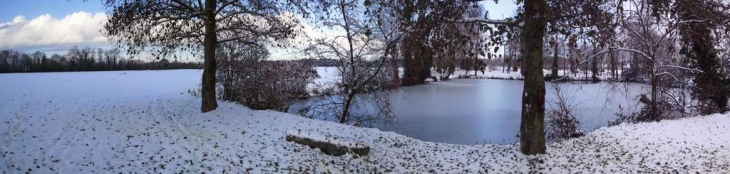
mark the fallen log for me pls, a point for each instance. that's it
(328, 145)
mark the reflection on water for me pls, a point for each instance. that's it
(469, 111)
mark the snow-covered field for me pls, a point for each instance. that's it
(145, 121)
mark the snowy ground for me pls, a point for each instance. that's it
(145, 121)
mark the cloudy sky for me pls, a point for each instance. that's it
(54, 26)
(51, 25)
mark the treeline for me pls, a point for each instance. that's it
(329, 62)
(86, 59)
(321, 62)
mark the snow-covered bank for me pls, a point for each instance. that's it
(144, 121)
(516, 75)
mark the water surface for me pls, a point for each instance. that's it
(472, 111)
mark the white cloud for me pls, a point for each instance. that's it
(45, 30)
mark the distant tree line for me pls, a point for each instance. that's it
(322, 62)
(85, 59)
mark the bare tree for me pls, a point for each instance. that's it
(362, 57)
(652, 41)
(165, 26)
(112, 56)
(459, 44)
(420, 20)
(390, 33)
(476, 44)
(512, 54)
(4, 62)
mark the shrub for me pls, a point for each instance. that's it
(246, 77)
(644, 115)
(562, 123)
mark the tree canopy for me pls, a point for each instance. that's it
(165, 26)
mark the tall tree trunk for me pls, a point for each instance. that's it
(565, 65)
(504, 63)
(476, 64)
(572, 65)
(555, 62)
(209, 102)
(532, 126)
(614, 64)
(594, 67)
(394, 64)
(523, 65)
(425, 63)
(654, 109)
(408, 65)
(228, 83)
(509, 65)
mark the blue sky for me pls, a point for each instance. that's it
(54, 26)
(57, 8)
(60, 8)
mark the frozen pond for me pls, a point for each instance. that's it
(473, 111)
(468, 111)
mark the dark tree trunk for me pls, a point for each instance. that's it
(654, 109)
(622, 63)
(394, 64)
(532, 127)
(509, 65)
(408, 66)
(352, 83)
(503, 64)
(565, 65)
(594, 67)
(572, 66)
(523, 65)
(476, 64)
(228, 84)
(425, 63)
(614, 64)
(585, 70)
(555, 63)
(208, 92)
(346, 113)
(417, 63)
